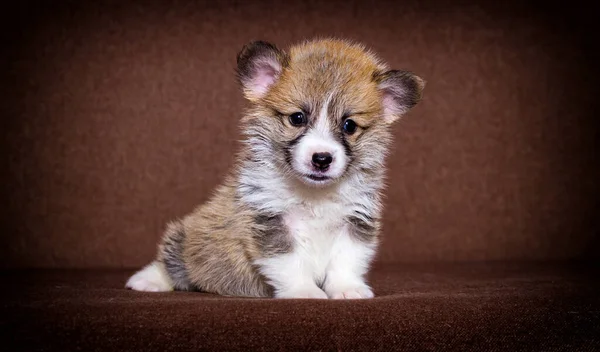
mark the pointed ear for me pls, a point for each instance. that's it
(259, 65)
(401, 90)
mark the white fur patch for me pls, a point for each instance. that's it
(323, 251)
(348, 264)
(274, 193)
(319, 139)
(152, 278)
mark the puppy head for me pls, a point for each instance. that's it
(322, 111)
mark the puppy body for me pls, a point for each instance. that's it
(299, 214)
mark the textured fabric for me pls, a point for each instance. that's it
(459, 307)
(118, 116)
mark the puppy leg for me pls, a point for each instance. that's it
(290, 276)
(349, 262)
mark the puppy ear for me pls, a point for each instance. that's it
(401, 90)
(259, 65)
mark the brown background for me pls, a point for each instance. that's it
(118, 117)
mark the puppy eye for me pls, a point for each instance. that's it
(349, 126)
(297, 119)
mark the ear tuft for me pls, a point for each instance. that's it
(401, 91)
(259, 65)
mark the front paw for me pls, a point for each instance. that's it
(303, 292)
(350, 291)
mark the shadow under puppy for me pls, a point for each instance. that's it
(299, 214)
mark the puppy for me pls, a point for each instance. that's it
(299, 214)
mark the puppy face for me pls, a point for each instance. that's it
(322, 111)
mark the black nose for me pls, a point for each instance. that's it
(322, 160)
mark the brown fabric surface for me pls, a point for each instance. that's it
(478, 307)
(119, 116)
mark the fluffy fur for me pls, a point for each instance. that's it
(279, 225)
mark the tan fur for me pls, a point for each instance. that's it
(218, 239)
(218, 248)
(318, 67)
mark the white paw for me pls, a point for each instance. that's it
(150, 279)
(140, 284)
(350, 292)
(312, 292)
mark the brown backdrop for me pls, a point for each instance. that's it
(118, 117)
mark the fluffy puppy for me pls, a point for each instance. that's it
(299, 214)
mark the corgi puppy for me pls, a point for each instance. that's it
(299, 214)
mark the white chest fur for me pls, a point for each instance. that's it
(323, 254)
(315, 230)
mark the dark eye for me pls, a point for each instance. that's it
(349, 126)
(297, 119)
